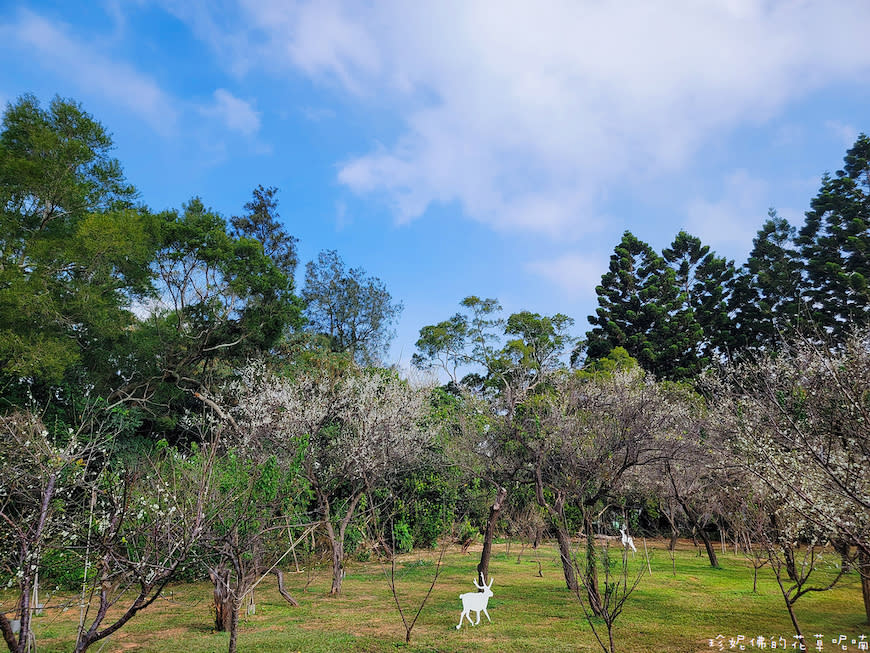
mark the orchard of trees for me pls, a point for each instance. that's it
(176, 406)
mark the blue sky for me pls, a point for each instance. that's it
(461, 147)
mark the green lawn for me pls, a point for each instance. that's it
(668, 612)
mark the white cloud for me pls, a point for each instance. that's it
(53, 46)
(731, 221)
(318, 114)
(575, 275)
(530, 115)
(235, 114)
(846, 134)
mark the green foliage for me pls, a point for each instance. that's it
(467, 532)
(262, 224)
(403, 541)
(63, 568)
(641, 310)
(704, 282)
(355, 311)
(74, 251)
(617, 360)
(835, 245)
(766, 301)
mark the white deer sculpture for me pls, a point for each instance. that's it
(475, 602)
(627, 540)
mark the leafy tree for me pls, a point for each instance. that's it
(704, 282)
(640, 309)
(513, 361)
(767, 293)
(835, 244)
(219, 299)
(356, 312)
(253, 500)
(74, 251)
(261, 223)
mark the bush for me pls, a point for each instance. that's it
(402, 538)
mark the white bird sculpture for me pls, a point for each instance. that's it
(627, 540)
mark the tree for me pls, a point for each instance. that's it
(134, 522)
(41, 478)
(357, 429)
(356, 312)
(639, 309)
(766, 302)
(261, 223)
(147, 520)
(798, 419)
(218, 300)
(74, 250)
(618, 586)
(835, 245)
(513, 361)
(253, 499)
(704, 282)
(585, 436)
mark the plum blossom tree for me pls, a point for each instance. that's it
(585, 437)
(147, 518)
(134, 524)
(799, 424)
(40, 477)
(354, 428)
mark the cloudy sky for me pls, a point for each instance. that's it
(494, 148)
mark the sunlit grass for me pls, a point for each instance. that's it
(667, 612)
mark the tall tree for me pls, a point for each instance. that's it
(640, 309)
(218, 299)
(262, 223)
(511, 362)
(835, 243)
(767, 293)
(354, 310)
(704, 281)
(74, 251)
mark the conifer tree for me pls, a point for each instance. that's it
(835, 245)
(640, 309)
(704, 281)
(767, 293)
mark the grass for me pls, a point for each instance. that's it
(666, 613)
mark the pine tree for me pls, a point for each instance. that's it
(704, 281)
(640, 309)
(834, 243)
(767, 293)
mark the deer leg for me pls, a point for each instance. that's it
(478, 618)
(487, 615)
(463, 615)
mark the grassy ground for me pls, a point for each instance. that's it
(668, 612)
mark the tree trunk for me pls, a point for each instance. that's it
(564, 540)
(223, 603)
(486, 554)
(283, 592)
(8, 636)
(864, 569)
(591, 573)
(337, 543)
(234, 625)
(711, 551)
(565, 554)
